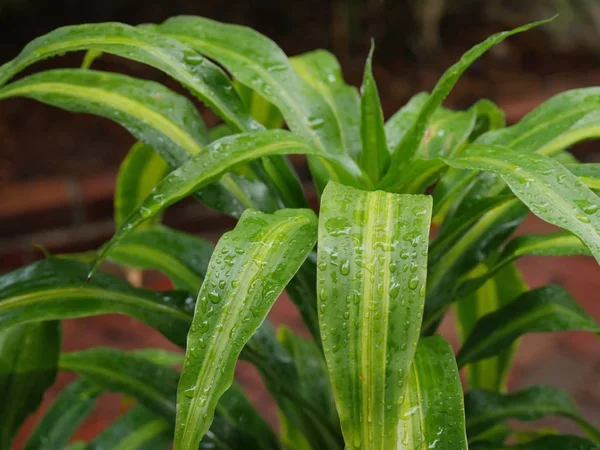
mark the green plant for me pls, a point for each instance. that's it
(374, 376)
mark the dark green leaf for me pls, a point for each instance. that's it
(545, 443)
(485, 409)
(545, 309)
(68, 411)
(28, 365)
(56, 289)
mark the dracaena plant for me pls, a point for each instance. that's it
(368, 280)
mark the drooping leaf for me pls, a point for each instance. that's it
(553, 244)
(322, 71)
(138, 429)
(556, 124)
(406, 149)
(371, 285)
(501, 289)
(545, 309)
(152, 385)
(259, 63)
(204, 79)
(375, 155)
(152, 113)
(250, 267)
(545, 443)
(181, 256)
(160, 356)
(549, 190)
(207, 166)
(260, 108)
(141, 170)
(485, 409)
(432, 412)
(28, 365)
(56, 289)
(68, 411)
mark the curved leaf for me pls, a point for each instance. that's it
(259, 63)
(406, 149)
(375, 155)
(371, 283)
(250, 267)
(138, 429)
(56, 289)
(322, 71)
(28, 365)
(433, 412)
(553, 244)
(207, 166)
(549, 190)
(68, 411)
(204, 79)
(499, 290)
(545, 309)
(141, 170)
(485, 409)
(181, 256)
(152, 113)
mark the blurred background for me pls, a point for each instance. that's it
(57, 169)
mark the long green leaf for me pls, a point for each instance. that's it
(553, 244)
(152, 113)
(204, 79)
(152, 385)
(258, 62)
(565, 119)
(375, 156)
(549, 190)
(371, 285)
(407, 147)
(141, 170)
(28, 365)
(138, 429)
(209, 165)
(56, 289)
(321, 70)
(485, 409)
(250, 267)
(545, 443)
(182, 257)
(68, 411)
(545, 309)
(504, 287)
(432, 411)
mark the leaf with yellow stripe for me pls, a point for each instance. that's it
(152, 113)
(250, 267)
(372, 261)
(504, 287)
(207, 166)
(204, 79)
(433, 415)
